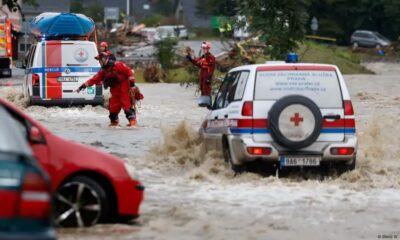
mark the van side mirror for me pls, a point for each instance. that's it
(35, 135)
(204, 101)
(19, 64)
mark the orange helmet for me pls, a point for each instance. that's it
(206, 45)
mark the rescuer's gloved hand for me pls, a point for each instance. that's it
(80, 88)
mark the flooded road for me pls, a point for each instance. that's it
(193, 195)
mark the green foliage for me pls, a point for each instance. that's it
(152, 20)
(164, 7)
(165, 54)
(347, 62)
(94, 10)
(281, 23)
(216, 7)
(340, 18)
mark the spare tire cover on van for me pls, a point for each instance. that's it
(295, 122)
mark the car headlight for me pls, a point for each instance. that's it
(132, 172)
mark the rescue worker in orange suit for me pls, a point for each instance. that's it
(121, 80)
(206, 63)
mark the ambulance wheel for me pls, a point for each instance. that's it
(228, 158)
(295, 122)
(343, 167)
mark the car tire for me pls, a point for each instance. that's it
(228, 158)
(277, 131)
(80, 202)
(343, 167)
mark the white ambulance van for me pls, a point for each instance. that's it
(55, 68)
(283, 115)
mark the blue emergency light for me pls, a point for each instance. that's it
(292, 58)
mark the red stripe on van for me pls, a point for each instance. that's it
(250, 123)
(340, 123)
(295, 67)
(53, 59)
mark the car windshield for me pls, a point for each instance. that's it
(320, 86)
(381, 36)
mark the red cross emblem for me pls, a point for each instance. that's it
(296, 119)
(81, 53)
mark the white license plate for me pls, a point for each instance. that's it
(300, 160)
(67, 79)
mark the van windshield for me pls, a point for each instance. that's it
(320, 86)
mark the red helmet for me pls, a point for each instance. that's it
(206, 45)
(104, 45)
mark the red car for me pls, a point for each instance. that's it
(89, 186)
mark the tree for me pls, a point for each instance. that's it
(280, 23)
(164, 7)
(77, 6)
(14, 6)
(95, 10)
(216, 7)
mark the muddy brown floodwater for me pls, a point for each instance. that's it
(194, 195)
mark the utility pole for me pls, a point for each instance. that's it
(128, 8)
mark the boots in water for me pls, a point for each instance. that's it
(114, 124)
(132, 123)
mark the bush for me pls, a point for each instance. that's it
(152, 20)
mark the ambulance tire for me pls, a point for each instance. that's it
(273, 121)
(228, 158)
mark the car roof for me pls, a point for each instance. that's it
(11, 137)
(286, 66)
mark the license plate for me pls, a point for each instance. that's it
(300, 160)
(67, 79)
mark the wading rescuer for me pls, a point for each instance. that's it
(206, 63)
(121, 81)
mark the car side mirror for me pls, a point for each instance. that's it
(35, 135)
(204, 101)
(19, 64)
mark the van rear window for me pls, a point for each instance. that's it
(320, 86)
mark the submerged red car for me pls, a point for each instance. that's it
(89, 186)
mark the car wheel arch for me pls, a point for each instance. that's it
(104, 181)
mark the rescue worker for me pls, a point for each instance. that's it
(206, 63)
(121, 80)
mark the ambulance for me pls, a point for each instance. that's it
(282, 116)
(61, 60)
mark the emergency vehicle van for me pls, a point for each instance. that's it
(5, 47)
(60, 61)
(283, 115)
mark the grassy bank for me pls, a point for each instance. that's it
(348, 63)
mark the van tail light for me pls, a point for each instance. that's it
(259, 150)
(348, 108)
(35, 197)
(35, 79)
(342, 151)
(350, 123)
(247, 109)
